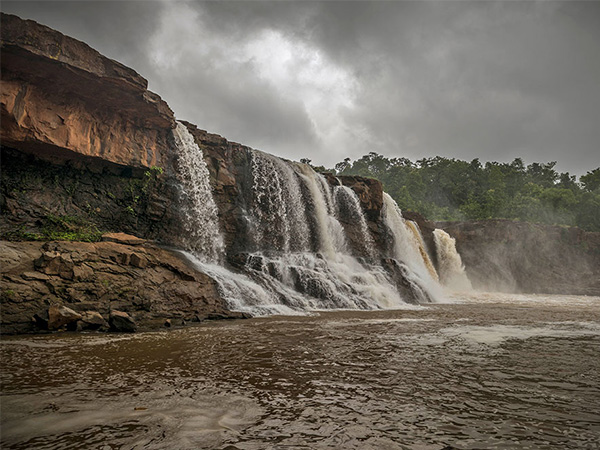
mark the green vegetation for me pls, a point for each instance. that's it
(59, 228)
(451, 189)
(137, 188)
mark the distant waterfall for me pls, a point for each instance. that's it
(452, 271)
(201, 222)
(406, 249)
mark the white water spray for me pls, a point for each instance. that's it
(279, 218)
(201, 222)
(452, 272)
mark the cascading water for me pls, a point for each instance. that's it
(348, 205)
(279, 219)
(451, 269)
(406, 251)
(416, 231)
(201, 221)
(298, 257)
(320, 274)
(331, 233)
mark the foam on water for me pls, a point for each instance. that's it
(497, 334)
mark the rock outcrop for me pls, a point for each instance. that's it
(89, 286)
(63, 101)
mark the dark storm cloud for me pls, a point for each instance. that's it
(326, 80)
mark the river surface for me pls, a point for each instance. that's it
(489, 372)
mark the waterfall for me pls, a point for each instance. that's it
(348, 205)
(452, 272)
(418, 236)
(406, 249)
(302, 258)
(330, 231)
(297, 256)
(201, 222)
(279, 219)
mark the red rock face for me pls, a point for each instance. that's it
(63, 101)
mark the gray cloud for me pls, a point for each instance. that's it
(326, 80)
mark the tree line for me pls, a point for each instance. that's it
(451, 189)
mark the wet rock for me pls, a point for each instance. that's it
(35, 276)
(122, 238)
(59, 316)
(54, 263)
(82, 273)
(121, 321)
(138, 261)
(92, 320)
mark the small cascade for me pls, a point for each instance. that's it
(348, 205)
(416, 231)
(451, 269)
(201, 221)
(406, 249)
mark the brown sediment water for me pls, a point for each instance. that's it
(420, 243)
(495, 372)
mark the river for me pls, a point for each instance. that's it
(490, 371)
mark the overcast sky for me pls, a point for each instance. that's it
(329, 80)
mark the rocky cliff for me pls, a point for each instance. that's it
(63, 101)
(86, 150)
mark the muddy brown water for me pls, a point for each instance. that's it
(493, 372)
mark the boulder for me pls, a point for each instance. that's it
(59, 316)
(121, 321)
(92, 320)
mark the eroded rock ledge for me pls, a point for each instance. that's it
(122, 285)
(63, 101)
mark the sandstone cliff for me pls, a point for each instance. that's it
(63, 101)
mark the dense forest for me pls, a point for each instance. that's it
(451, 189)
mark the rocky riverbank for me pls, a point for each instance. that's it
(122, 284)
